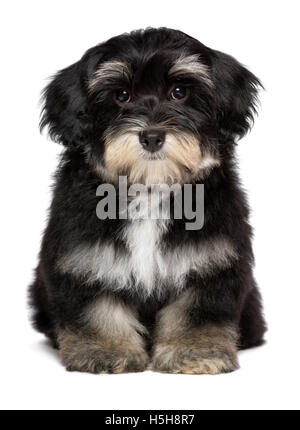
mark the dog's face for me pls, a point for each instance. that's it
(154, 105)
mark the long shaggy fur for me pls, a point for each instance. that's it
(120, 295)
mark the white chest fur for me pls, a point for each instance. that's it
(143, 239)
(145, 267)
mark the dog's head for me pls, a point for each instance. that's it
(154, 105)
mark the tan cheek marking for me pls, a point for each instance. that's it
(179, 161)
(184, 150)
(121, 152)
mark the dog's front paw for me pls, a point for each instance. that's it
(98, 360)
(83, 354)
(170, 358)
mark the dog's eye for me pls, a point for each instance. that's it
(178, 93)
(122, 96)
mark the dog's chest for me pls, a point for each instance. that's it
(143, 240)
(146, 265)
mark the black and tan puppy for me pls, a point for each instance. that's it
(122, 295)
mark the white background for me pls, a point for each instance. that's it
(40, 37)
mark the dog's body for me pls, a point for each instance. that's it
(117, 295)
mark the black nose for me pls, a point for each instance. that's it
(152, 139)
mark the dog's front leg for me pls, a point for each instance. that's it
(110, 340)
(185, 344)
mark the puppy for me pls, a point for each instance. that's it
(126, 293)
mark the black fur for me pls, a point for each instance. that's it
(77, 118)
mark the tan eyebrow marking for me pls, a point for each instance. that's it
(108, 71)
(191, 64)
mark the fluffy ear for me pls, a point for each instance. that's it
(236, 95)
(65, 107)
